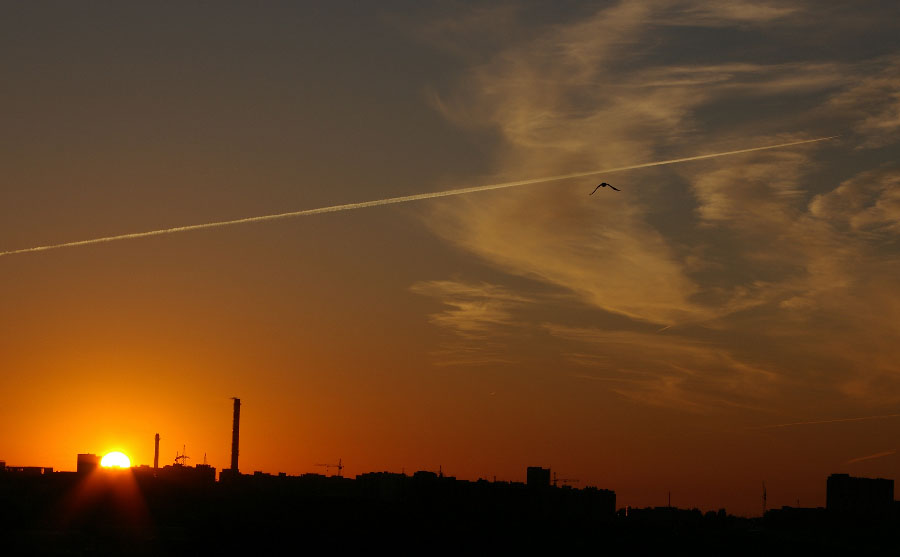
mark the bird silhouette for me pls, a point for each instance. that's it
(603, 185)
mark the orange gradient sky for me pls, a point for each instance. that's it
(642, 341)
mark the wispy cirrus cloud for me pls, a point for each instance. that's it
(478, 315)
(728, 13)
(668, 370)
(868, 203)
(613, 260)
(475, 309)
(767, 249)
(554, 102)
(872, 103)
(743, 79)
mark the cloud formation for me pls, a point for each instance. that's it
(872, 103)
(728, 13)
(669, 370)
(868, 203)
(474, 309)
(480, 316)
(777, 249)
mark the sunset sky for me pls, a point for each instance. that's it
(713, 325)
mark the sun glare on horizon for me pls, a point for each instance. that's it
(115, 459)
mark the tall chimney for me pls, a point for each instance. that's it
(235, 435)
(156, 453)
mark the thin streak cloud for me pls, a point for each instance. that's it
(395, 200)
(871, 456)
(835, 421)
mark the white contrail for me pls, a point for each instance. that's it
(393, 200)
(871, 456)
(833, 421)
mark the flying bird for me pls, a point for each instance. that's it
(603, 185)
(392, 200)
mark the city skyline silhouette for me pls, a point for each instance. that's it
(179, 508)
(454, 299)
(859, 496)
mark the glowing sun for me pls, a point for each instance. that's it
(115, 460)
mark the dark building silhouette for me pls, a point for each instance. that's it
(537, 477)
(667, 514)
(859, 496)
(384, 486)
(27, 470)
(600, 503)
(87, 463)
(201, 474)
(181, 509)
(796, 517)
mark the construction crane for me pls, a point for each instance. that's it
(181, 459)
(339, 466)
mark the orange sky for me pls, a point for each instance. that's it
(640, 340)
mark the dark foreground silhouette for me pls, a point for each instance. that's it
(183, 510)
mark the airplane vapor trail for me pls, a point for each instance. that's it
(871, 456)
(394, 200)
(834, 421)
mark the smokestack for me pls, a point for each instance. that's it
(235, 435)
(156, 453)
